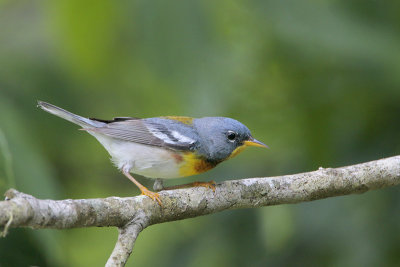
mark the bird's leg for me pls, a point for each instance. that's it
(158, 184)
(145, 191)
(209, 185)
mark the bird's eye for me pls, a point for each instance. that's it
(231, 136)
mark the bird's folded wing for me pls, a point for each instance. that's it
(146, 133)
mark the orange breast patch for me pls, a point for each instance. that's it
(193, 164)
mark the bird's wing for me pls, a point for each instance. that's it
(147, 133)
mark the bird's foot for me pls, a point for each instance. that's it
(153, 195)
(209, 185)
(145, 191)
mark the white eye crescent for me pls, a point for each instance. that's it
(231, 135)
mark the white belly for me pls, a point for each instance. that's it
(149, 161)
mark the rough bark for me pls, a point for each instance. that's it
(131, 215)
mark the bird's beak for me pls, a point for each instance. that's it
(254, 142)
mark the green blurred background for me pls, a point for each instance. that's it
(318, 81)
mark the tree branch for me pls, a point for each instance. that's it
(131, 215)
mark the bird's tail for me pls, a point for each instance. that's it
(84, 122)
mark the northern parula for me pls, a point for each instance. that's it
(164, 147)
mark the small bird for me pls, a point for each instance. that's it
(164, 147)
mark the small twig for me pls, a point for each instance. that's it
(126, 240)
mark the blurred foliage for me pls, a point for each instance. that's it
(318, 81)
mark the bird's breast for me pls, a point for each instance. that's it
(194, 164)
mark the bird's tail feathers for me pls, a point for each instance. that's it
(62, 113)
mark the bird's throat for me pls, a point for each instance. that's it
(237, 151)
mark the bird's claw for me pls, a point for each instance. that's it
(210, 185)
(154, 196)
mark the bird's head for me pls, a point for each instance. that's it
(222, 138)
